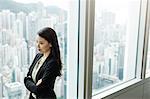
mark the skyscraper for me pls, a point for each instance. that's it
(1, 86)
(22, 16)
(32, 53)
(13, 90)
(6, 19)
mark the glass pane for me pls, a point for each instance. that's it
(115, 42)
(19, 22)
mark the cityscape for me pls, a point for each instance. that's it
(18, 28)
(109, 49)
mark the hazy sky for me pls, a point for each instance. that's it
(122, 8)
(60, 3)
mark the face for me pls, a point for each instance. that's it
(42, 45)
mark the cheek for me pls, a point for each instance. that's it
(46, 47)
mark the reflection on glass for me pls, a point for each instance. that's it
(19, 22)
(115, 41)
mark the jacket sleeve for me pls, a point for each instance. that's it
(47, 79)
(30, 85)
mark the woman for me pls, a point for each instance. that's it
(45, 67)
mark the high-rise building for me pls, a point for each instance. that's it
(32, 52)
(22, 16)
(0, 20)
(6, 19)
(5, 54)
(12, 19)
(13, 90)
(1, 57)
(18, 28)
(31, 26)
(17, 74)
(45, 22)
(58, 87)
(4, 36)
(1, 40)
(111, 68)
(24, 54)
(1, 86)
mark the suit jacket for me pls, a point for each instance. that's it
(48, 73)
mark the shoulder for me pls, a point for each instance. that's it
(38, 55)
(52, 63)
(53, 66)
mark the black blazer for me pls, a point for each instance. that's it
(48, 73)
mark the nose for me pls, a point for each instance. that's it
(38, 45)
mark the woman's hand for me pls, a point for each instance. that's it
(39, 82)
(29, 76)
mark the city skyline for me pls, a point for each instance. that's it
(17, 32)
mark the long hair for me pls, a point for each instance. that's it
(50, 35)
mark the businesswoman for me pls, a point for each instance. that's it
(45, 67)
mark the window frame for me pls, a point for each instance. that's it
(86, 40)
(88, 57)
(146, 42)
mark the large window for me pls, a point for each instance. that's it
(19, 22)
(108, 44)
(115, 42)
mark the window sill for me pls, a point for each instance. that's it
(117, 89)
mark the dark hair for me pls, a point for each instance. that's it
(50, 35)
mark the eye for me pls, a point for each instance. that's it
(41, 43)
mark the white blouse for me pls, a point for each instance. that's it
(36, 69)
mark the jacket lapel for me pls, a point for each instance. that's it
(45, 63)
(34, 63)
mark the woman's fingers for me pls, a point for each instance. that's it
(39, 82)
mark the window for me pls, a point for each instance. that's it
(19, 22)
(115, 42)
